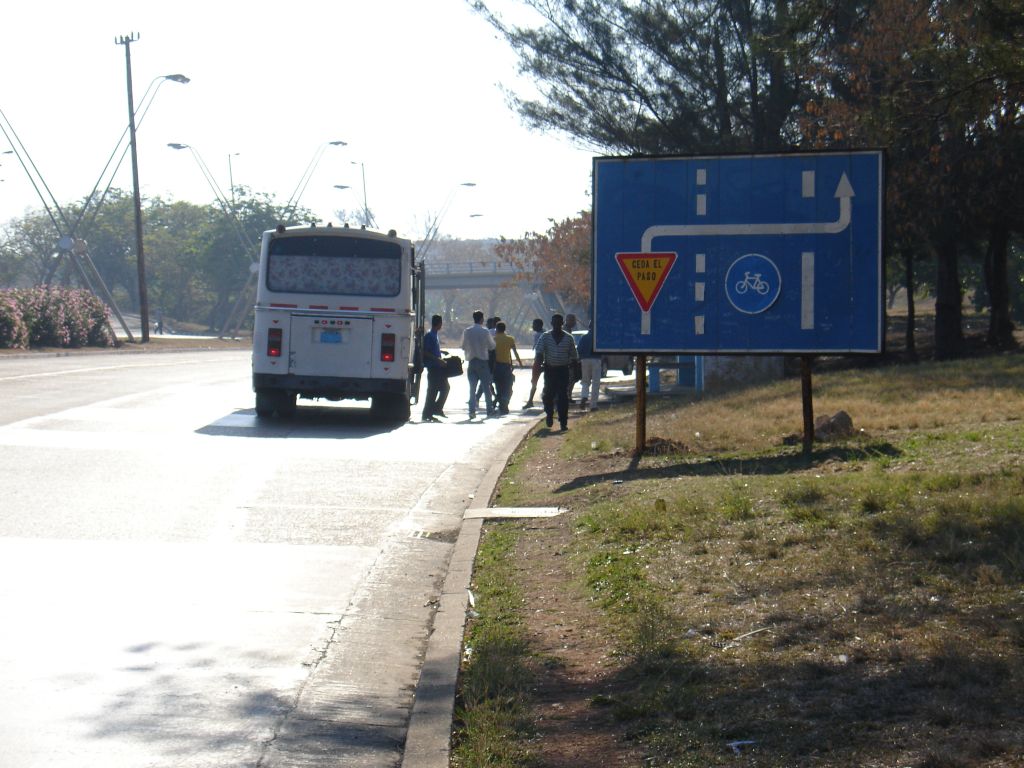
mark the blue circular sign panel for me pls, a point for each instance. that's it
(753, 283)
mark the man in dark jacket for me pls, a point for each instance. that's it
(437, 374)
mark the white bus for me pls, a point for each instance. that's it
(339, 315)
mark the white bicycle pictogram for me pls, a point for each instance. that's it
(752, 282)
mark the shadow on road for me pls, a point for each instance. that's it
(310, 421)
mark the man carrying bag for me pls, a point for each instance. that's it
(437, 372)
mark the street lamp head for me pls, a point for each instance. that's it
(176, 145)
(179, 78)
(338, 143)
(342, 186)
(475, 215)
(468, 184)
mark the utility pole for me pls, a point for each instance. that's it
(126, 41)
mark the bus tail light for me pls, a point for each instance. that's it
(387, 347)
(274, 342)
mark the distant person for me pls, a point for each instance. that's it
(590, 371)
(504, 349)
(574, 371)
(477, 344)
(492, 323)
(437, 373)
(538, 331)
(556, 352)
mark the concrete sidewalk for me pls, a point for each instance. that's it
(428, 737)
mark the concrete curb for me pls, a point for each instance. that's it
(428, 738)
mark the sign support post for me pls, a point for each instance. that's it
(808, 403)
(641, 405)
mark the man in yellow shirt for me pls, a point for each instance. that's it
(504, 349)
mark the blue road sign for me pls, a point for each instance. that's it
(773, 253)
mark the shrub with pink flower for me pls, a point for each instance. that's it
(13, 331)
(53, 317)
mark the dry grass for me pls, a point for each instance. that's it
(883, 401)
(862, 606)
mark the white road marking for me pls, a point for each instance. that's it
(48, 374)
(843, 191)
(807, 290)
(807, 184)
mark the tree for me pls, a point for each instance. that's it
(28, 251)
(558, 260)
(939, 85)
(662, 76)
(175, 244)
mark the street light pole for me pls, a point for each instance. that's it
(368, 218)
(231, 179)
(126, 41)
(434, 227)
(218, 193)
(293, 201)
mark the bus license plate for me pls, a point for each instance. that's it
(330, 337)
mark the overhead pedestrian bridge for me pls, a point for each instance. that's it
(470, 274)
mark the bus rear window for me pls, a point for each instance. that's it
(344, 266)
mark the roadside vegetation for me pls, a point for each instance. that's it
(52, 317)
(725, 600)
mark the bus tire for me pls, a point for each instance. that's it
(390, 407)
(285, 404)
(266, 403)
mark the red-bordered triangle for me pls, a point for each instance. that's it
(646, 273)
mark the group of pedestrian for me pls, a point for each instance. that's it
(489, 351)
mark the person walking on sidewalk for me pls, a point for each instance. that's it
(437, 374)
(590, 365)
(574, 372)
(538, 331)
(556, 353)
(477, 342)
(505, 348)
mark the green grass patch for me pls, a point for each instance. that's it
(492, 712)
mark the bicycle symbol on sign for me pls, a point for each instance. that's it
(752, 282)
(759, 286)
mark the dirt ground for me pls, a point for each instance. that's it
(575, 669)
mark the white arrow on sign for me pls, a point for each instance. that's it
(844, 191)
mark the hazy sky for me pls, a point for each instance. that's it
(413, 86)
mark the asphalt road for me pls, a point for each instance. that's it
(183, 585)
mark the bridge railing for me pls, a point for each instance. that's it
(470, 267)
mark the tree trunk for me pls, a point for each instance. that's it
(908, 272)
(948, 302)
(721, 92)
(1000, 327)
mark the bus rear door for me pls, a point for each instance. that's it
(331, 346)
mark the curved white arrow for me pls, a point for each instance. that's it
(844, 191)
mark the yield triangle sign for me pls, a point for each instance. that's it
(645, 273)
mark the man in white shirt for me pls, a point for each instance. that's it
(477, 343)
